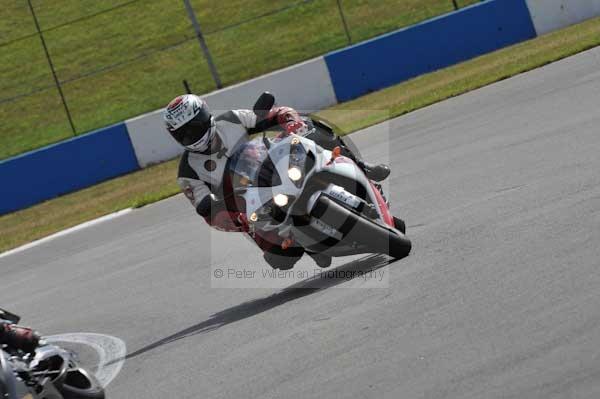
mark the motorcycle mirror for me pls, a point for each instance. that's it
(263, 104)
(6, 315)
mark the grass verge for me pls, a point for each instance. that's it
(130, 56)
(158, 182)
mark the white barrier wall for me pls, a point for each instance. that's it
(306, 87)
(150, 140)
(550, 15)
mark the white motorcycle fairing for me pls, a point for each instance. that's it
(313, 198)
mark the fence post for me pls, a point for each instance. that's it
(203, 45)
(186, 86)
(339, 4)
(62, 96)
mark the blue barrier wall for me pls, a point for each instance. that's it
(64, 167)
(428, 46)
(375, 64)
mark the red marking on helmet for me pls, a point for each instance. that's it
(176, 101)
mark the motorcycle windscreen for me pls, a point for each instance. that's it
(251, 166)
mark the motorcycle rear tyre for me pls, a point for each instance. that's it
(81, 384)
(361, 230)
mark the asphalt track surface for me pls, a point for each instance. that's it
(499, 299)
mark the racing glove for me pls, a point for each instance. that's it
(216, 215)
(18, 337)
(288, 118)
(229, 221)
(296, 127)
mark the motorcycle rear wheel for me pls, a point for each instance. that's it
(361, 230)
(80, 384)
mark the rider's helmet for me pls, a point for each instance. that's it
(189, 121)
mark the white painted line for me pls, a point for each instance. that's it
(111, 352)
(65, 232)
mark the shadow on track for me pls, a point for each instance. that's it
(256, 306)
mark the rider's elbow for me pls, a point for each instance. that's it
(204, 206)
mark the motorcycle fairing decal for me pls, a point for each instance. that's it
(340, 194)
(325, 228)
(342, 159)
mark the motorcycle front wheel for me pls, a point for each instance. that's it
(80, 384)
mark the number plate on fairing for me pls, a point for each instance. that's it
(343, 196)
(325, 228)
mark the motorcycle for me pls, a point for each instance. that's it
(311, 196)
(50, 373)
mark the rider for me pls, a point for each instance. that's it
(209, 141)
(17, 337)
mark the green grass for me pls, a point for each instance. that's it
(158, 182)
(150, 37)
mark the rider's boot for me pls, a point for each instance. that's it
(320, 259)
(281, 262)
(329, 141)
(374, 172)
(400, 224)
(18, 337)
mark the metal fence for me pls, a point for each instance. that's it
(72, 66)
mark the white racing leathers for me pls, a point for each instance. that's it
(201, 173)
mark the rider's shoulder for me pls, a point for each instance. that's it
(229, 116)
(245, 117)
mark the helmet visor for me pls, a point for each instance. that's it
(194, 130)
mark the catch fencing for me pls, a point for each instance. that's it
(68, 66)
(336, 76)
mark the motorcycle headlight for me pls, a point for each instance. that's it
(274, 211)
(297, 165)
(294, 173)
(281, 200)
